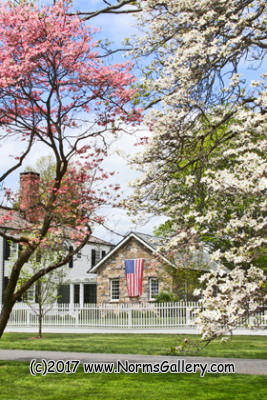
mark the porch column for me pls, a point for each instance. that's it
(2, 270)
(71, 294)
(81, 294)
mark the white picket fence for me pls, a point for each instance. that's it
(152, 315)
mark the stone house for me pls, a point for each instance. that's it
(111, 282)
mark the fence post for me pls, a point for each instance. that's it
(130, 322)
(187, 314)
(28, 316)
(76, 311)
(251, 321)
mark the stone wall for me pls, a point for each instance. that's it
(114, 268)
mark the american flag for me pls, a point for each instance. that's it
(134, 276)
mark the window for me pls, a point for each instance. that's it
(95, 257)
(10, 249)
(63, 294)
(103, 253)
(114, 289)
(29, 295)
(90, 293)
(153, 288)
(14, 249)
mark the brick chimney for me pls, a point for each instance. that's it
(29, 195)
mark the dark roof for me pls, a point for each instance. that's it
(18, 223)
(152, 241)
(94, 239)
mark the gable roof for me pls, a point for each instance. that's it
(149, 241)
(152, 241)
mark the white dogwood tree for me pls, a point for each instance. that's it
(204, 165)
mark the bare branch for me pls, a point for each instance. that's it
(21, 159)
(111, 9)
(14, 239)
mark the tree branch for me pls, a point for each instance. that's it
(110, 9)
(50, 268)
(12, 169)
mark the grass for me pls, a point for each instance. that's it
(17, 384)
(158, 344)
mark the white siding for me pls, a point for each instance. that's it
(78, 273)
(1, 267)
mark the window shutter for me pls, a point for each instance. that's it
(93, 257)
(6, 250)
(71, 260)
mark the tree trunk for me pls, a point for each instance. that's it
(9, 297)
(40, 320)
(4, 317)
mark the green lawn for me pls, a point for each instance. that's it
(17, 384)
(160, 344)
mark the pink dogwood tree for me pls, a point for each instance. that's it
(54, 89)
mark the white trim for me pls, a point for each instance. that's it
(81, 294)
(151, 279)
(111, 287)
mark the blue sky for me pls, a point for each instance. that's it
(113, 27)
